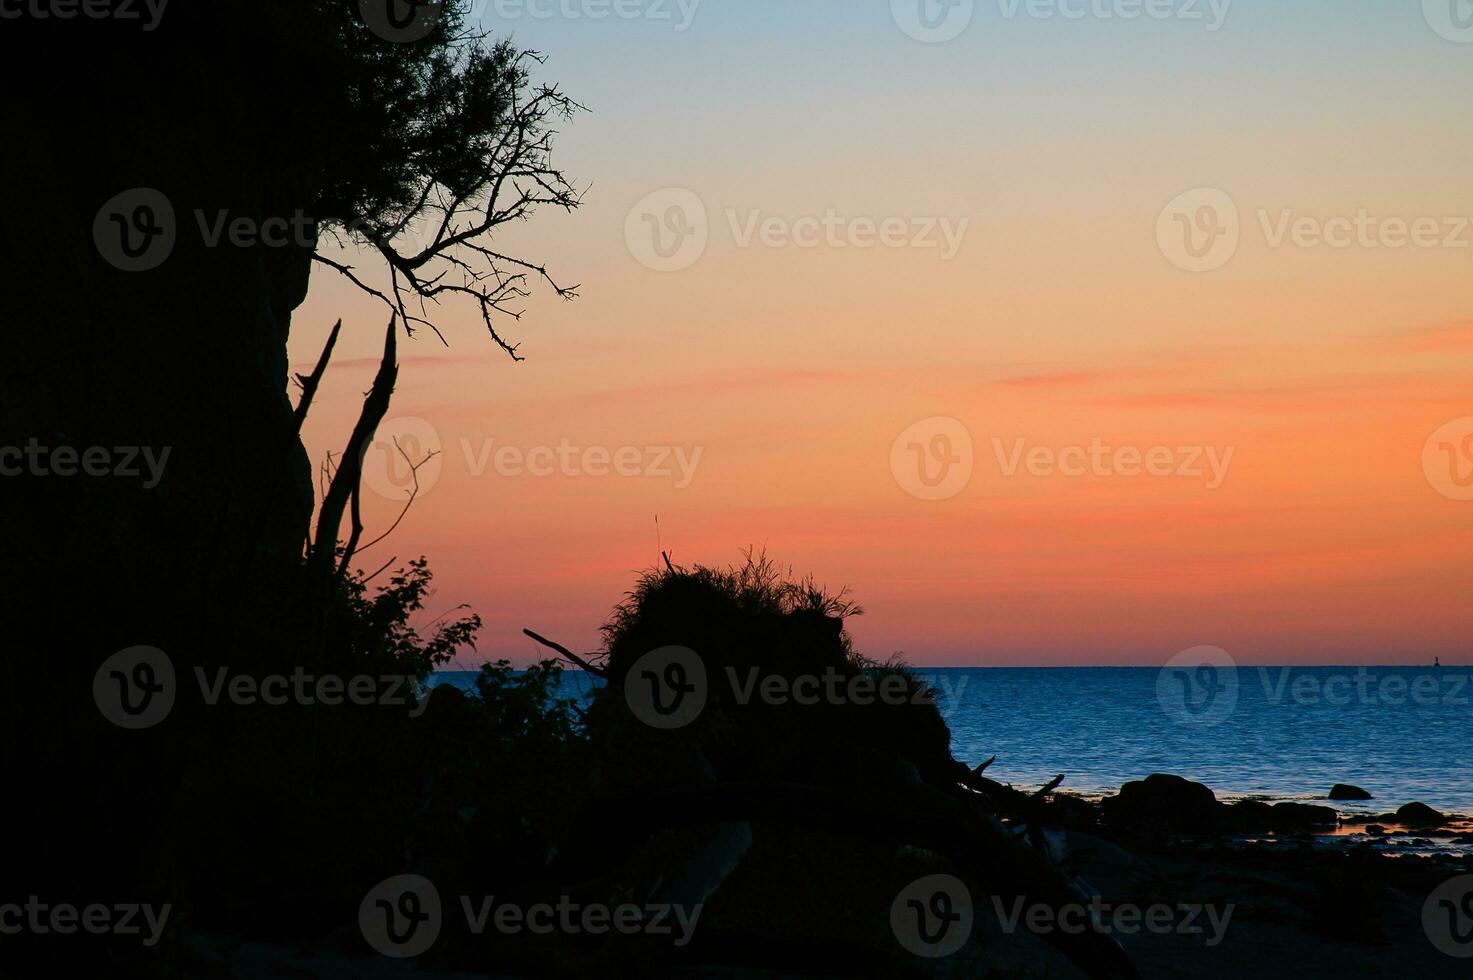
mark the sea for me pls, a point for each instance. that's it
(1275, 733)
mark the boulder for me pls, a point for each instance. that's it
(1166, 802)
(1345, 791)
(1420, 815)
(1252, 817)
(1302, 816)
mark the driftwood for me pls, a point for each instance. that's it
(1004, 798)
(1049, 787)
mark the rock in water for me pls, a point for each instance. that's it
(1164, 801)
(1345, 791)
(1420, 815)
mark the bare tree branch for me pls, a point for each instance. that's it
(455, 259)
(414, 492)
(595, 671)
(309, 382)
(350, 469)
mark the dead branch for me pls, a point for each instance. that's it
(413, 493)
(355, 521)
(309, 382)
(1049, 787)
(595, 671)
(350, 470)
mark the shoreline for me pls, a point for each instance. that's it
(1371, 825)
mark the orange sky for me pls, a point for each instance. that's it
(1061, 320)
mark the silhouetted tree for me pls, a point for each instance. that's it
(457, 139)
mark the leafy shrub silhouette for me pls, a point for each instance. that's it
(750, 623)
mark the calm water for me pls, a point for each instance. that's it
(1288, 733)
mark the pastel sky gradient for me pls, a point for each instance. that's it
(1059, 321)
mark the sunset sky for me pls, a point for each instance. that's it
(1054, 149)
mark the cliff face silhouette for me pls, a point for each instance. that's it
(188, 356)
(226, 107)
